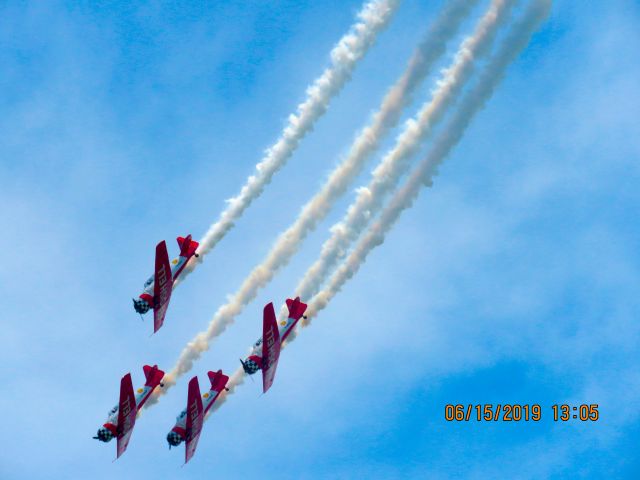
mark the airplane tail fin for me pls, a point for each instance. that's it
(187, 246)
(218, 380)
(296, 308)
(153, 376)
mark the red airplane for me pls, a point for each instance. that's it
(189, 423)
(122, 417)
(266, 351)
(157, 294)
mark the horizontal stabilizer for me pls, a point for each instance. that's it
(187, 246)
(296, 308)
(218, 380)
(153, 376)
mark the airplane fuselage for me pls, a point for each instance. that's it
(253, 362)
(146, 300)
(179, 431)
(177, 265)
(110, 428)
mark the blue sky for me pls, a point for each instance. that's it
(514, 279)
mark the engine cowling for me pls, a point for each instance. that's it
(252, 364)
(104, 435)
(140, 306)
(174, 439)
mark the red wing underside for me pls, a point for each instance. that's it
(162, 287)
(195, 417)
(126, 413)
(270, 347)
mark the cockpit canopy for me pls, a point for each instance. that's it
(181, 416)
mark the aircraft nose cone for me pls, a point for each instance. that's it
(140, 306)
(250, 367)
(174, 439)
(104, 435)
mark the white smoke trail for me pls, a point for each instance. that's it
(396, 162)
(317, 208)
(373, 18)
(472, 102)
(450, 136)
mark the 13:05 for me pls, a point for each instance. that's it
(583, 412)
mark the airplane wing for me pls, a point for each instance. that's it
(195, 417)
(162, 287)
(126, 413)
(270, 346)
